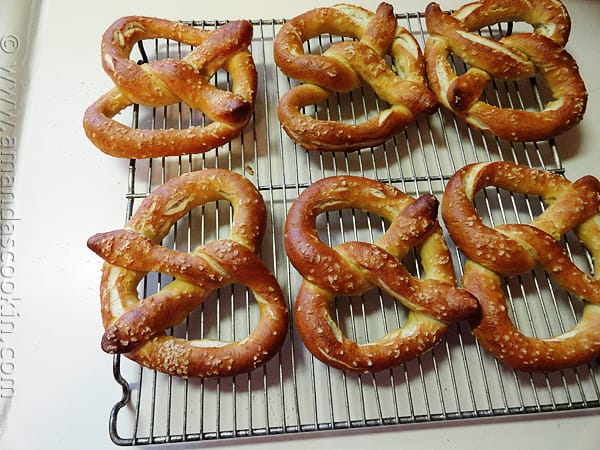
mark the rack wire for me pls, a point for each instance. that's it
(294, 392)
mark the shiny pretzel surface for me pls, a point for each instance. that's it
(353, 268)
(346, 66)
(167, 81)
(513, 249)
(137, 326)
(514, 57)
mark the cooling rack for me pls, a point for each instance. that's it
(294, 392)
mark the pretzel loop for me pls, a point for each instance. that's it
(353, 268)
(168, 81)
(136, 327)
(513, 249)
(345, 66)
(512, 57)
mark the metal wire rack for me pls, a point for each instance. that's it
(295, 393)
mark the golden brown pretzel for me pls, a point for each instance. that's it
(517, 248)
(168, 81)
(136, 327)
(355, 267)
(346, 66)
(511, 58)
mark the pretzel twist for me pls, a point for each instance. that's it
(514, 249)
(136, 327)
(510, 58)
(353, 268)
(346, 66)
(168, 81)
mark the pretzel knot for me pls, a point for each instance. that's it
(514, 57)
(352, 268)
(168, 81)
(345, 66)
(136, 327)
(513, 249)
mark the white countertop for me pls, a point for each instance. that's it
(65, 191)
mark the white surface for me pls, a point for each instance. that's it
(66, 190)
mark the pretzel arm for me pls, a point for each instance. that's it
(494, 327)
(497, 60)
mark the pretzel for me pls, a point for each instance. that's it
(512, 57)
(346, 66)
(352, 268)
(168, 81)
(136, 327)
(513, 249)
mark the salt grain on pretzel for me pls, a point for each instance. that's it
(514, 57)
(514, 249)
(136, 327)
(353, 268)
(345, 66)
(168, 81)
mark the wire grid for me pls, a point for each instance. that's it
(294, 392)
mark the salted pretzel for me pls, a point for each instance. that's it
(136, 327)
(514, 57)
(352, 268)
(168, 81)
(514, 249)
(345, 66)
